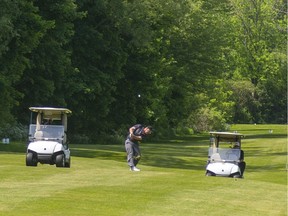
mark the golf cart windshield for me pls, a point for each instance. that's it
(218, 154)
(46, 132)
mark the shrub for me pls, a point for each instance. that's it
(16, 132)
(206, 120)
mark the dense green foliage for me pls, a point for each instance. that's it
(196, 64)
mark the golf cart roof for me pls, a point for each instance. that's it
(226, 134)
(51, 110)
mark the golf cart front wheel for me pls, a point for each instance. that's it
(209, 173)
(60, 160)
(30, 159)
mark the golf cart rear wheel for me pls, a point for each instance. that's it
(30, 159)
(60, 160)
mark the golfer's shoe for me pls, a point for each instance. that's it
(134, 168)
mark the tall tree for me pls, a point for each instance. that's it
(22, 28)
(98, 56)
(45, 81)
(260, 47)
(145, 31)
(258, 37)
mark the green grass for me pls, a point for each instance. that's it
(171, 181)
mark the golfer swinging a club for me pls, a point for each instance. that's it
(136, 134)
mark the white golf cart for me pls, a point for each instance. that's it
(47, 137)
(226, 161)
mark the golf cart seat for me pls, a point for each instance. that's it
(216, 157)
(38, 135)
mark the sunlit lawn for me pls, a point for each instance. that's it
(172, 180)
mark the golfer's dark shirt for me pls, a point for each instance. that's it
(138, 131)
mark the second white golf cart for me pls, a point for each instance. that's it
(227, 161)
(47, 137)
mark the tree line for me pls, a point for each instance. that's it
(181, 66)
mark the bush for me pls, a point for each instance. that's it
(114, 137)
(78, 138)
(207, 120)
(183, 130)
(16, 132)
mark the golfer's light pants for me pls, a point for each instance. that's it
(133, 153)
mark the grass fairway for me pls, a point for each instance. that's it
(171, 181)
